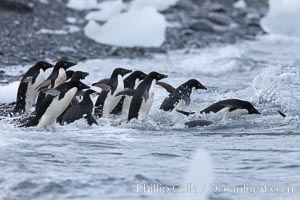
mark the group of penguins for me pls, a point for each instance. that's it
(64, 98)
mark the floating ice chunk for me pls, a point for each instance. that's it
(145, 27)
(240, 4)
(160, 5)
(199, 175)
(8, 92)
(82, 4)
(283, 18)
(108, 9)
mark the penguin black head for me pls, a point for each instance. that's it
(253, 110)
(136, 75)
(120, 71)
(157, 76)
(247, 105)
(79, 75)
(64, 64)
(196, 84)
(43, 65)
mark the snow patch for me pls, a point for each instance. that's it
(82, 4)
(145, 27)
(108, 9)
(283, 18)
(160, 5)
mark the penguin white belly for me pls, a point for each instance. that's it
(126, 104)
(31, 93)
(146, 105)
(62, 77)
(179, 106)
(56, 108)
(111, 100)
(233, 114)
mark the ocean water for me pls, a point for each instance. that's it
(259, 153)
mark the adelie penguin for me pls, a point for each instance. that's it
(26, 92)
(55, 103)
(130, 82)
(231, 107)
(107, 99)
(179, 98)
(74, 76)
(84, 109)
(57, 77)
(142, 96)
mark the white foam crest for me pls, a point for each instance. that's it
(199, 174)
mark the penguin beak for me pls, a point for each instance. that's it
(162, 76)
(202, 87)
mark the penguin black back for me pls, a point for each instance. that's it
(29, 77)
(232, 104)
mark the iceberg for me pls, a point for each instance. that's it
(145, 27)
(82, 4)
(160, 5)
(283, 18)
(108, 9)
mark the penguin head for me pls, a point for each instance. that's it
(79, 75)
(64, 64)
(157, 76)
(136, 75)
(193, 83)
(251, 110)
(121, 71)
(43, 65)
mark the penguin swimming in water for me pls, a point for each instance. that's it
(84, 109)
(130, 82)
(231, 107)
(179, 97)
(26, 92)
(143, 96)
(57, 77)
(55, 103)
(107, 99)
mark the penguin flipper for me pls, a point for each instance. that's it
(166, 86)
(91, 119)
(103, 86)
(281, 113)
(185, 112)
(43, 85)
(52, 92)
(128, 92)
